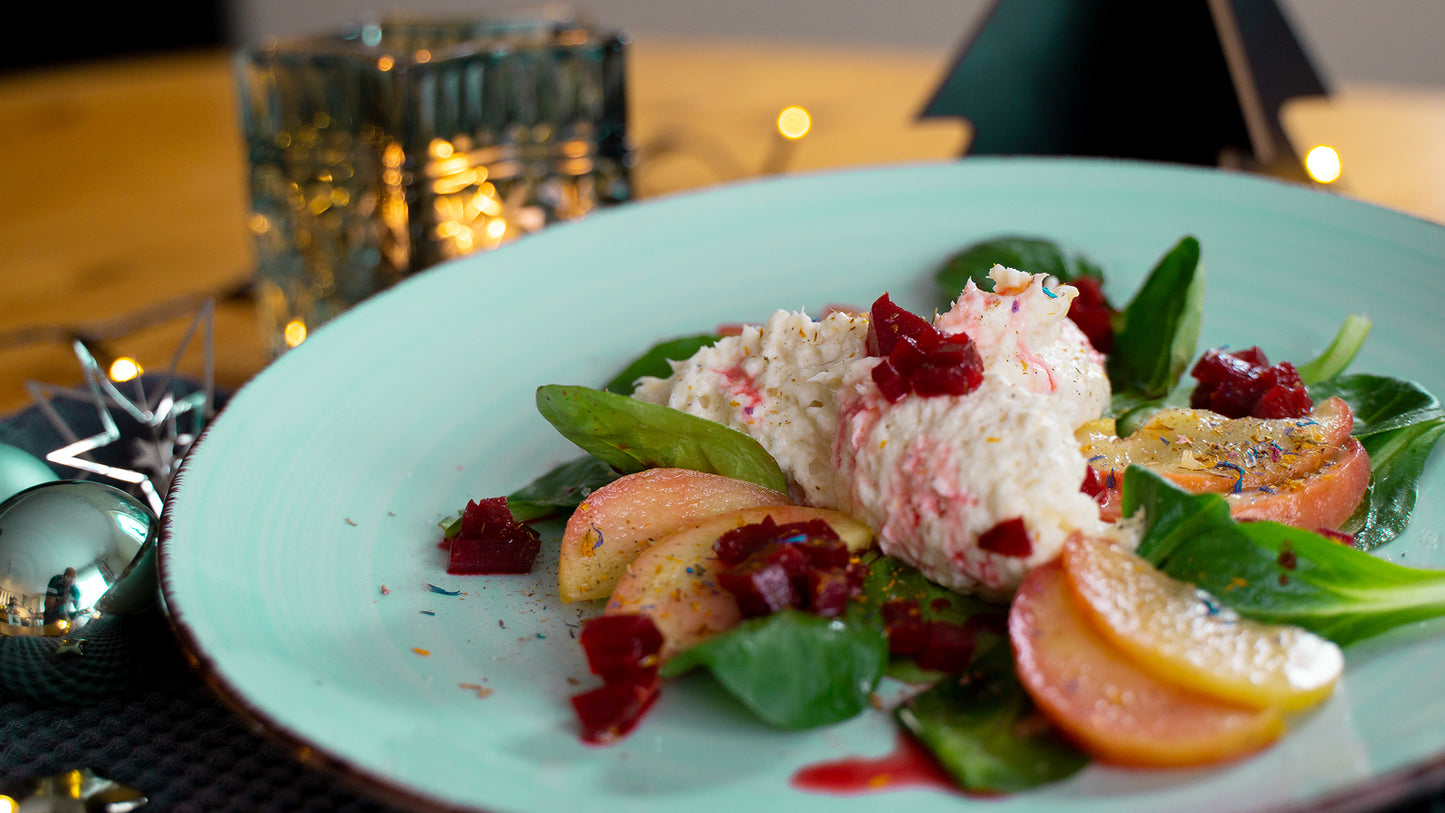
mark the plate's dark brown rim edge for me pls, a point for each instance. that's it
(1396, 787)
(258, 721)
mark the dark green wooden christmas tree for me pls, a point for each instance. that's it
(1185, 81)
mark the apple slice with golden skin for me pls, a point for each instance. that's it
(672, 581)
(620, 520)
(1114, 710)
(1187, 637)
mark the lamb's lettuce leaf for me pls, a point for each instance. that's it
(1030, 254)
(1333, 361)
(985, 732)
(794, 669)
(1273, 572)
(631, 435)
(655, 362)
(1156, 333)
(1399, 424)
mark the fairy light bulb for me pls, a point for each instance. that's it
(124, 368)
(1323, 163)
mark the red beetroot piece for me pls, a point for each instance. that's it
(491, 542)
(622, 647)
(801, 565)
(942, 646)
(1093, 313)
(1008, 538)
(1094, 486)
(1244, 384)
(737, 544)
(623, 650)
(610, 712)
(904, 625)
(917, 357)
(947, 647)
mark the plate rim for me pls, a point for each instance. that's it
(1400, 784)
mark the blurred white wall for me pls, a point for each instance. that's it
(1396, 41)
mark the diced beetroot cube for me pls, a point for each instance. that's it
(888, 322)
(958, 378)
(1218, 366)
(738, 544)
(1008, 538)
(806, 529)
(1242, 383)
(828, 592)
(793, 559)
(760, 587)
(1093, 313)
(825, 555)
(891, 383)
(1252, 355)
(482, 514)
(905, 628)
(947, 647)
(908, 356)
(622, 647)
(491, 542)
(1282, 402)
(898, 610)
(610, 712)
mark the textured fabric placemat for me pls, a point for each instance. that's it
(170, 738)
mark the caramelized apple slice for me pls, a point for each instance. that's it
(624, 517)
(1324, 499)
(1113, 709)
(673, 580)
(1203, 451)
(1305, 472)
(1185, 636)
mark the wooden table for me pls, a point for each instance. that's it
(126, 190)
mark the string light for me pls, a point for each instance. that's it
(794, 122)
(295, 332)
(1323, 163)
(124, 368)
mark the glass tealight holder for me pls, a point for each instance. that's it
(395, 145)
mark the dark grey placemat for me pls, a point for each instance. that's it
(169, 737)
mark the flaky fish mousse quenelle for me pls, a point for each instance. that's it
(936, 475)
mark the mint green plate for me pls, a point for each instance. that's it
(300, 543)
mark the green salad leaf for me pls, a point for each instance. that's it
(794, 669)
(1336, 357)
(560, 490)
(654, 362)
(985, 732)
(1031, 254)
(631, 435)
(1273, 572)
(1399, 424)
(1157, 332)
